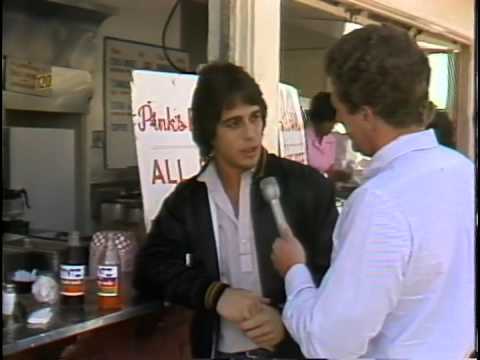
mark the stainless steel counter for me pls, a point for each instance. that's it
(71, 321)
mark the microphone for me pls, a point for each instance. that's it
(271, 194)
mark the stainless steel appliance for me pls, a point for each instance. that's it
(123, 210)
(46, 161)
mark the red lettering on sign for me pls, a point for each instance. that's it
(146, 114)
(157, 173)
(164, 174)
(170, 180)
(171, 122)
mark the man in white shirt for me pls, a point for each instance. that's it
(401, 281)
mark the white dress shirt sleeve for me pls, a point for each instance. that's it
(372, 245)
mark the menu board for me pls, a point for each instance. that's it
(121, 57)
(291, 131)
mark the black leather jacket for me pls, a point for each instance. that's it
(184, 225)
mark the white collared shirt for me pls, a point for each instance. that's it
(237, 255)
(401, 282)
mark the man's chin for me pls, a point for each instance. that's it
(247, 164)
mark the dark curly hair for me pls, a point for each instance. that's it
(321, 109)
(220, 86)
(382, 67)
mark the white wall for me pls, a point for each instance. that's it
(305, 70)
(48, 173)
(304, 50)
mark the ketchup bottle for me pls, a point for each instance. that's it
(108, 279)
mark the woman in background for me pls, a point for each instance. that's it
(321, 144)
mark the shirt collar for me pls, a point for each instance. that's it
(208, 169)
(215, 188)
(400, 146)
(210, 175)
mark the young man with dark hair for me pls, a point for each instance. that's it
(401, 281)
(219, 221)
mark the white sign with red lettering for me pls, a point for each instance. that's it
(291, 130)
(166, 153)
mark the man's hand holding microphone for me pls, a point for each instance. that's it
(287, 250)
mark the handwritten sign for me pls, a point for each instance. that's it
(292, 131)
(166, 152)
(170, 122)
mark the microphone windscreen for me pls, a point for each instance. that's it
(270, 189)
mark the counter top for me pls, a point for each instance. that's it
(70, 321)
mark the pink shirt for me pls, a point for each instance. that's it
(320, 154)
